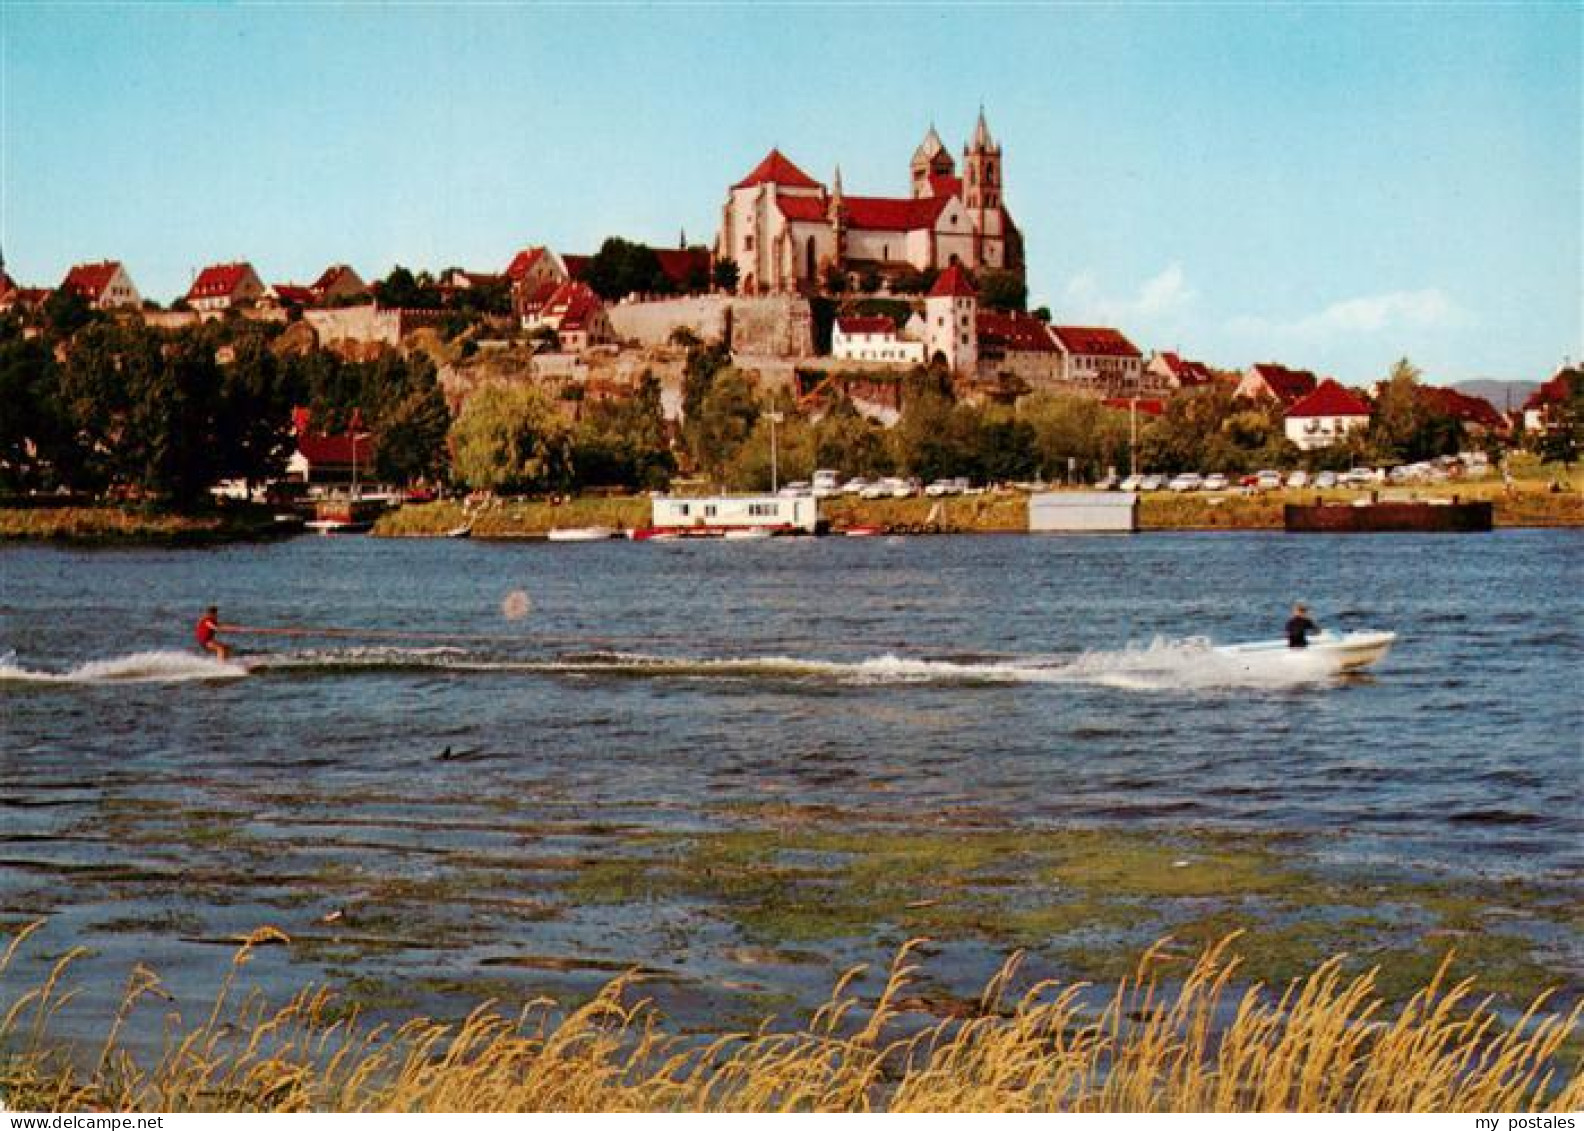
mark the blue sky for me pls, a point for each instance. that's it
(1331, 186)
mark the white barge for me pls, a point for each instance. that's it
(722, 515)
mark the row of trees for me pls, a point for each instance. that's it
(123, 408)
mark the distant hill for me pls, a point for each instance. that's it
(1499, 393)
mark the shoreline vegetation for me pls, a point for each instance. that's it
(1527, 504)
(1181, 1032)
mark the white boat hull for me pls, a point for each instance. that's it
(1350, 651)
(581, 534)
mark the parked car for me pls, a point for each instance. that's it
(1326, 480)
(901, 488)
(941, 487)
(961, 486)
(1108, 483)
(875, 490)
(855, 486)
(1357, 477)
(1215, 481)
(1132, 483)
(1268, 480)
(826, 483)
(1187, 481)
(795, 489)
(1152, 483)
(1299, 478)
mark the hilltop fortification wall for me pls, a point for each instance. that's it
(768, 326)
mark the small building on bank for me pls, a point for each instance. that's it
(721, 514)
(1326, 416)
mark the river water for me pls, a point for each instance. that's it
(417, 810)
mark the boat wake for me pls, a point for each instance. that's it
(137, 667)
(1190, 664)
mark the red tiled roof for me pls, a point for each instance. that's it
(777, 170)
(576, 265)
(953, 283)
(683, 265)
(1554, 391)
(1095, 341)
(292, 293)
(1461, 406)
(572, 304)
(317, 449)
(944, 184)
(1329, 399)
(1148, 406)
(1287, 384)
(894, 214)
(331, 276)
(877, 324)
(1188, 373)
(218, 280)
(802, 207)
(1021, 333)
(90, 279)
(523, 262)
(541, 295)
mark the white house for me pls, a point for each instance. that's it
(1325, 416)
(873, 339)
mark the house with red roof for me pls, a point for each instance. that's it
(1325, 416)
(322, 458)
(1267, 380)
(1477, 415)
(951, 322)
(1098, 358)
(222, 286)
(785, 230)
(338, 284)
(873, 339)
(1542, 411)
(577, 315)
(103, 285)
(1167, 370)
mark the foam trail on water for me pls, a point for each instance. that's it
(1190, 664)
(137, 667)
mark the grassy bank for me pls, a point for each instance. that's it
(514, 518)
(113, 525)
(1178, 1034)
(1528, 504)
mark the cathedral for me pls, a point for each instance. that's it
(785, 230)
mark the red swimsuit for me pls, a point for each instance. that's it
(205, 632)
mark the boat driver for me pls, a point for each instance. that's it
(1299, 626)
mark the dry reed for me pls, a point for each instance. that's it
(1167, 1039)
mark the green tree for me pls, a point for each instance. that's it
(253, 419)
(725, 274)
(848, 442)
(726, 418)
(624, 442)
(36, 449)
(621, 267)
(1002, 290)
(401, 289)
(511, 439)
(1405, 427)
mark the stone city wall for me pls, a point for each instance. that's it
(650, 323)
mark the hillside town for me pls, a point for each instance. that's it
(830, 310)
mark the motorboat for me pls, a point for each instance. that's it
(580, 534)
(1349, 651)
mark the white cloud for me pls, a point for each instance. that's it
(1161, 299)
(1429, 309)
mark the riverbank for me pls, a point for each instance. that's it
(1161, 1042)
(124, 525)
(1526, 505)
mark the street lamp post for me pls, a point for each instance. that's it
(774, 418)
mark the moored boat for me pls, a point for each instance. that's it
(581, 534)
(1348, 651)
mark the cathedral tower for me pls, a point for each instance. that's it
(930, 159)
(982, 195)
